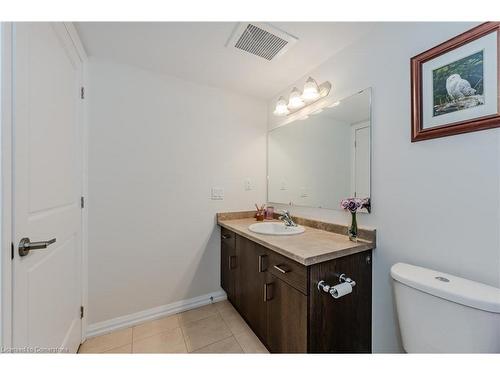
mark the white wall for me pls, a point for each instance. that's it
(157, 145)
(435, 203)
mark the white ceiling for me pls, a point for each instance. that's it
(196, 51)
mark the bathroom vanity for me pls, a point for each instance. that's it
(315, 159)
(273, 283)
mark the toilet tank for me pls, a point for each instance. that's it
(442, 313)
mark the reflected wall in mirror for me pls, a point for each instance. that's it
(323, 158)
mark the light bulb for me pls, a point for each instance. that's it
(311, 90)
(281, 107)
(295, 101)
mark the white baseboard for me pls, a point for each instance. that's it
(130, 320)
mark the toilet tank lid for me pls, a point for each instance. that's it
(449, 287)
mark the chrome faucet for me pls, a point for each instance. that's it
(287, 219)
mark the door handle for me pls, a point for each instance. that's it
(25, 246)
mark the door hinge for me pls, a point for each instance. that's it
(82, 202)
(82, 92)
(11, 250)
(81, 312)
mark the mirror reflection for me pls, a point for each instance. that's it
(321, 159)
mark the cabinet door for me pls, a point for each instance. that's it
(228, 265)
(250, 286)
(286, 317)
(341, 325)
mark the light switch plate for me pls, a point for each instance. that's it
(248, 184)
(217, 194)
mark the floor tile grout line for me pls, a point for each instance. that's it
(132, 343)
(184, 338)
(225, 324)
(242, 348)
(157, 334)
(256, 337)
(163, 330)
(239, 345)
(108, 349)
(197, 320)
(236, 333)
(174, 330)
(215, 342)
(182, 331)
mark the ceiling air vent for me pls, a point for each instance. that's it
(261, 40)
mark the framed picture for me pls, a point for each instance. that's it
(455, 85)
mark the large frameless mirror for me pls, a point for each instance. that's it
(318, 160)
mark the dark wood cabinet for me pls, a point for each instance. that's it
(250, 285)
(229, 265)
(348, 328)
(279, 299)
(287, 317)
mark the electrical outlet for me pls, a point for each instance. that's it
(217, 194)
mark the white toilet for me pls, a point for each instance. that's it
(441, 313)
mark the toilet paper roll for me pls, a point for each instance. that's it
(340, 290)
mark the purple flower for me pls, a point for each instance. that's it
(353, 204)
(366, 203)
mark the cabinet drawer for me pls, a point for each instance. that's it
(291, 272)
(228, 238)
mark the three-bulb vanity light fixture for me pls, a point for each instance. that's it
(298, 100)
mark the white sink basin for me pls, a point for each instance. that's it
(277, 229)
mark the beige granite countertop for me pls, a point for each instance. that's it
(308, 248)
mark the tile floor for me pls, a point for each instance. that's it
(215, 328)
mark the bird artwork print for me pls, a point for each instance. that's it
(458, 88)
(458, 85)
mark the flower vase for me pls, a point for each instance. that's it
(353, 229)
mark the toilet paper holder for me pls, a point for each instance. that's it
(322, 285)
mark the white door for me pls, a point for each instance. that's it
(362, 162)
(47, 173)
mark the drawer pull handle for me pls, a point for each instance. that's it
(230, 261)
(226, 236)
(279, 268)
(261, 258)
(266, 297)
